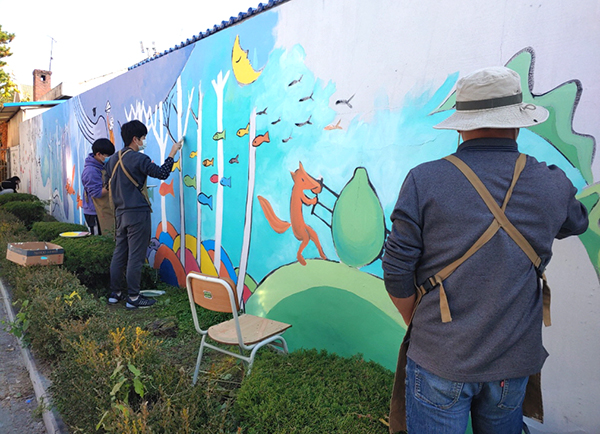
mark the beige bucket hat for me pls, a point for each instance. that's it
(492, 98)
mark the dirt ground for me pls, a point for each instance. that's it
(18, 404)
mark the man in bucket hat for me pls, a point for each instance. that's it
(472, 234)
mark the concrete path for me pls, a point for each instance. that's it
(21, 385)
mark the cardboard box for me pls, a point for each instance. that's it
(35, 253)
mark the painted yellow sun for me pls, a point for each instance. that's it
(242, 69)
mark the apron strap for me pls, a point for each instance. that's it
(143, 189)
(503, 221)
(500, 221)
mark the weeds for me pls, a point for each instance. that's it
(19, 326)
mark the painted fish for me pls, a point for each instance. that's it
(79, 201)
(176, 166)
(286, 140)
(264, 112)
(308, 122)
(259, 140)
(205, 200)
(214, 178)
(296, 81)
(226, 182)
(306, 98)
(219, 135)
(208, 162)
(189, 181)
(235, 160)
(243, 131)
(276, 122)
(345, 101)
(69, 188)
(193, 154)
(334, 127)
(166, 189)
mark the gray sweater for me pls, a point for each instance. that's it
(494, 297)
(125, 195)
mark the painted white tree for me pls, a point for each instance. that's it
(181, 132)
(219, 87)
(199, 178)
(160, 121)
(141, 112)
(162, 137)
(249, 201)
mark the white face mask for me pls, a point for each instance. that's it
(143, 146)
(106, 160)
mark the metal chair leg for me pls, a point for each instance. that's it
(198, 360)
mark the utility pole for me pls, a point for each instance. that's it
(52, 41)
(146, 50)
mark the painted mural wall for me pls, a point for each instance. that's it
(300, 125)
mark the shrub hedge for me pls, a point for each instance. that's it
(312, 392)
(89, 258)
(47, 231)
(28, 212)
(54, 297)
(17, 197)
(136, 387)
(12, 230)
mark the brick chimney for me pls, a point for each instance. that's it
(41, 83)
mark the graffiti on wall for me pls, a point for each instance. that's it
(279, 186)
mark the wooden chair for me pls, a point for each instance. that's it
(249, 332)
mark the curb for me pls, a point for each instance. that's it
(50, 421)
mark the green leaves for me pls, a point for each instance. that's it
(313, 392)
(7, 86)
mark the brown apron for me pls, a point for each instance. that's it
(532, 406)
(104, 211)
(105, 214)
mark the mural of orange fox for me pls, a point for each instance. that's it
(302, 231)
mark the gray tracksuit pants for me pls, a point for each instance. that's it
(133, 237)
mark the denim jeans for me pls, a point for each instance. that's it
(435, 405)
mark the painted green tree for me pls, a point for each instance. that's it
(7, 86)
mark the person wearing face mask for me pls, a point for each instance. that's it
(127, 172)
(98, 215)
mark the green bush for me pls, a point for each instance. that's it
(91, 366)
(89, 258)
(53, 297)
(17, 197)
(47, 231)
(27, 212)
(12, 229)
(153, 396)
(314, 392)
(49, 218)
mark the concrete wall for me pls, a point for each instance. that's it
(347, 92)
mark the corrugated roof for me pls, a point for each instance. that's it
(216, 28)
(8, 109)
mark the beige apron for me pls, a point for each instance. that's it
(104, 211)
(532, 406)
(105, 214)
